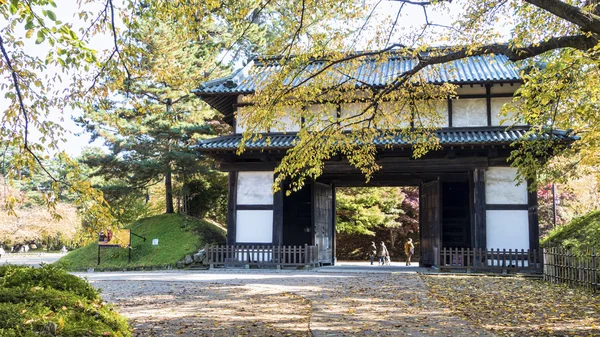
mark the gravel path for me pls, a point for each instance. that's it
(282, 304)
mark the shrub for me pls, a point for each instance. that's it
(579, 234)
(48, 301)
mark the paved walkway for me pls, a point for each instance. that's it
(30, 259)
(323, 302)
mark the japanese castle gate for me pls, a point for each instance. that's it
(468, 194)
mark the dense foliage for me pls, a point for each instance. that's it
(47, 301)
(389, 214)
(581, 233)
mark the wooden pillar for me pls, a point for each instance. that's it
(334, 222)
(278, 216)
(534, 229)
(478, 235)
(231, 208)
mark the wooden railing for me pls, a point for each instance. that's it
(490, 260)
(261, 255)
(562, 265)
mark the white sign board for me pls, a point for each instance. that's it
(155, 242)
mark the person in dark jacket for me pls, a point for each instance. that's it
(372, 252)
(383, 252)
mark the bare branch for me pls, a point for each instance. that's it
(296, 34)
(115, 40)
(394, 25)
(364, 24)
(23, 110)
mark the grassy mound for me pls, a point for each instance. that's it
(177, 236)
(49, 302)
(581, 233)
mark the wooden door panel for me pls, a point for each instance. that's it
(430, 201)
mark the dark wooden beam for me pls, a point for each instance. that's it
(334, 225)
(449, 112)
(254, 207)
(405, 164)
(247, 166)
(488, 103)
(534, 228)
(278, 217)
(231, 208)
(479, 225)
(506, 207)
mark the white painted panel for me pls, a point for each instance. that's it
(507, 229)
(254, 188)
(240, 124)
(441, 108)
(241, 117)
(254, 226)
(470, 90)
(327, 112)
(501, 187)
(504, 89)
(469, 112)
(393, 116)
(352, 109)
(290, 122)
(324, 115)
(497, 103)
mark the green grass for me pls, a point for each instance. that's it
(177, 236)
(581, 233)
(48, 301)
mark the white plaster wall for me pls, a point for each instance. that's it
(501, 187)
(290, 121)
(468, 90)
(394, 116)
(497, 103)
(469, 112)
(441, 108)
(254, 188)
(254, 226)
(240, 120)
(504, 89)
(327, 114)
(352, 109)
(507, 229)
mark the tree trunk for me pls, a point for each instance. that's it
(169, 193)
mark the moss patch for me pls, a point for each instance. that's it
(177, 236)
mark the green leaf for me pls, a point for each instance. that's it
(29, 33)
(29, 25)
(40, 37)
(51, 15)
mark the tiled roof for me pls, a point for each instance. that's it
(475, 69)
(447, 136)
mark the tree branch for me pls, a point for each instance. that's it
(587, 21)
(23, 110)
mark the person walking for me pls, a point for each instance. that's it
(383, 252)
(372, 251)
(409, 250)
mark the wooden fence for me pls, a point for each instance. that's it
(562, 265)
(261, 255)
(490, 260)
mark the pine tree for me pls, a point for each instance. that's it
(150, 127)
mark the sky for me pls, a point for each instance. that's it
(77, 140)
